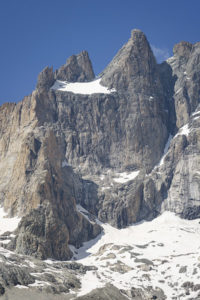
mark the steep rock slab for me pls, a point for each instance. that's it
(135, 75)
(176, 181)
(31, 161)
(185, 65)
(118, 130)
(45, 79)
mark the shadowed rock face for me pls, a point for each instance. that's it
(60, 148)
(185, 65)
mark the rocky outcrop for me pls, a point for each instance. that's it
(111, 292)
(23, 277)
(78, 68)
(45, 79)
(106, 293)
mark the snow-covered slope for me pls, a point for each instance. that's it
(6, 223)
(163, 253)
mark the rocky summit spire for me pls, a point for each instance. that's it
(134, 59)
(77, 68)
(45, 78)
(137, 34)
(182, 50)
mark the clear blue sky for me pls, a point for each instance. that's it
(37, 33)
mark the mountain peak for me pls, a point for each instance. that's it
(134, 58)
(182, 49)
(45, 78)
(78, 68)
(137, 33)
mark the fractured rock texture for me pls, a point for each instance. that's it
(59, 148)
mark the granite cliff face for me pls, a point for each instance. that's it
(125, 146)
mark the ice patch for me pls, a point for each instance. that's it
(125, 177)
(7, 224)
(85, 88)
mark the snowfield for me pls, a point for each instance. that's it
(84, 88)
(6, 223)
(163, 253)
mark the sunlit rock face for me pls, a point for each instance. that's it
(124, 145)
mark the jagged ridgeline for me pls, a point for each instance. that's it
(124, 145)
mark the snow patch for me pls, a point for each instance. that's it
(125, 177)
(84, 212)
(89, 281)
(49, 261)
(85, 88)
(31, 264)
(178, 91)
(102, 177)
(105, 188)
(171, 60)
(183, 130)
(196, 118)
(21, 286)
(196, 113)
(39, 283)
(5, 242)
(6, 223)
